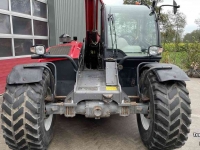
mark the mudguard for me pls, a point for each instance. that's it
(26, 73)
(175, 73)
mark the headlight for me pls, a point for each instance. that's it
(155, 50)
(39, 49)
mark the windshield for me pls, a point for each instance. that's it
(135, 29)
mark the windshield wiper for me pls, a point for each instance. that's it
(112, 25)
(109, 19)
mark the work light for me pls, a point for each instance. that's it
(38, 49)
(155, 50)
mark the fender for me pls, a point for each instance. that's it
(174, 73)
(26, 73)
(32, 73)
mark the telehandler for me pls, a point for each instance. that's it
(115, 70)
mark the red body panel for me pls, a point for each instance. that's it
(8, 64)
(74, 51)
(6, 67)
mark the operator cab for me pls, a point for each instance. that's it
(126, 30)
(130, 31)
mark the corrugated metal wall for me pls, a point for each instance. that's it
(66, 16)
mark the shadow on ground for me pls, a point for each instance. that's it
(79, 133)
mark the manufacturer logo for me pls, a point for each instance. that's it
(196, 134)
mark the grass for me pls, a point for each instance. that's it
(177, 58)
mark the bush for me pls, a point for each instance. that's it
(182, 54)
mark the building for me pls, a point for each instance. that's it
(24, 23)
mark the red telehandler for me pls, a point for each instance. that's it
(116, 70)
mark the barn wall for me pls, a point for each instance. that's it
(66, 16)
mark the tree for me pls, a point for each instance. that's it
(130, 2)
(197, 21)
(148, 2)
(193, 36)
(179, 25)
(171, 26)
(167, 28)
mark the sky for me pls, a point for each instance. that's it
(191, 8)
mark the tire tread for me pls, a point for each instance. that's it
(20, 117)
(173, 119)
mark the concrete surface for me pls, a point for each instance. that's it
(115, 133)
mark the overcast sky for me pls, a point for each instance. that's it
(191, 8)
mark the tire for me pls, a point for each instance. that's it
(169, 114)
(24, 122)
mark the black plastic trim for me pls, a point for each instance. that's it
(57, 56)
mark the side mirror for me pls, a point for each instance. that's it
(153, 7)
(175, 6)
(154, 4)
(155, 50)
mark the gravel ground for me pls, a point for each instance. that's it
(114, 133)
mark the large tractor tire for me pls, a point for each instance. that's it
(24, 122)
(166, 127)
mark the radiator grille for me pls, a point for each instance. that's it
(60, 50)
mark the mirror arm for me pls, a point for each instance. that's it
(164, 6)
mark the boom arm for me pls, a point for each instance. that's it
(91, 11)
(93, 49)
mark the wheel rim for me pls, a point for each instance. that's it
(48, 122)
(146, 119)
(48, 118)
(145, 122)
